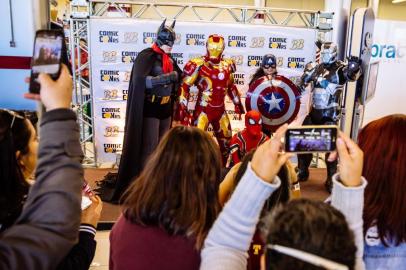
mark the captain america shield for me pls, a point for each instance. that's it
(277, 99)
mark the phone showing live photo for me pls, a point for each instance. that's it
(48, 55)
(311, 139)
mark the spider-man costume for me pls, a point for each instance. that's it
(249, 138)
(213, 76)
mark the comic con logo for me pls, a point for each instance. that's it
(130, 37)
(295, 79)
(296, 62)
(196, 39)
(109, 76)
(178, 57)
(109, 56)
(254, 60)
(125, 94)
(257, 42)
(128, 57)
(277, 43)
(279, 61)
(237, 41)
(233, 115)
(238, 59)
(112, 148)
(112, 94)
(111, 113)
(239, 78)
(111, 131)
(297, 44)
(108, 37)
(148, 37)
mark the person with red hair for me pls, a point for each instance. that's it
(384, 144)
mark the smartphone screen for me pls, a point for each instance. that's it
(48, 49)
(86, 202)
(311, 139)
(47, 54)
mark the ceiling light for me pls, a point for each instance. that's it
(398, 1)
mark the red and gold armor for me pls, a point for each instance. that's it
(213, 76)
(249, 138)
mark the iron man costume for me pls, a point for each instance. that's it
(249, 138)
(213, 76)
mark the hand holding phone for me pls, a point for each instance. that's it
(92, 214)
(351, 159)
(54, 94)
(310, 139)
(49, 51)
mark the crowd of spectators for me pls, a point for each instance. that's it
(178, 215)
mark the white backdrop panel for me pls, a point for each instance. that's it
(115, 43)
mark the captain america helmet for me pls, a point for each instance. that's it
(269, 60)
(166, 35)
(328, 53)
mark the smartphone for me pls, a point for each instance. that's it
(310, 139)
(49, 49)
(86, 193)
(86, 202)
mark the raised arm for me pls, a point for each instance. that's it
(190, 75)
(229, 239)
(48, 225)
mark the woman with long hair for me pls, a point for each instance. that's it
(18, 156)
(267, 68)
(18, 160)
(384, 144)
(170, 207)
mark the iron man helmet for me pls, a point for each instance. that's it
(215, 47)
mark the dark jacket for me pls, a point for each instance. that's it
(81, 255)
(48, 226)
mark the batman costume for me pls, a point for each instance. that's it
(151, 95)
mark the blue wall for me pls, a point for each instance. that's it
(12, 89)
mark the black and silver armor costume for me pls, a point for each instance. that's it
(326, 80)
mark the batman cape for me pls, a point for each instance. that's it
(130, 163)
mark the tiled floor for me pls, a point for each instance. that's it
(101, 258)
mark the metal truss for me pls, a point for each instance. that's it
(82, 97)
(215, 13)
(83, 10)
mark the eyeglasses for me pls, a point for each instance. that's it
(14, 115)
(308, 257)
(268, 67)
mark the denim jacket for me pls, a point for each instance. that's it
(379, 257)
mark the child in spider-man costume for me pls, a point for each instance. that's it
(249, 138)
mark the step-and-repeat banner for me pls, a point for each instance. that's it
(389, 49)
(115, 43)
